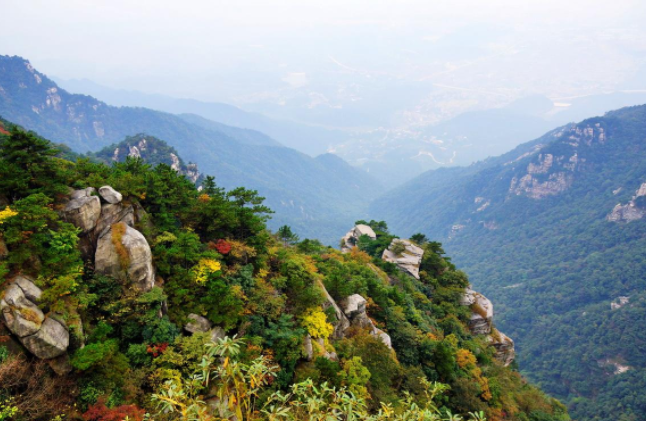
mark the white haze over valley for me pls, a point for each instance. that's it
(385, 85)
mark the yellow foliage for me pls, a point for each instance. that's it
(240, 251)
(452, 339)
(315, 322)
(359, 256)
(484, 386)
(433, 337)
(204, 198)
(465, 358)
(6, 214)
(204, 268)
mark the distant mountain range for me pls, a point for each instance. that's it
(318, 197)
(555, 232)
(309, 139)
(392, 153)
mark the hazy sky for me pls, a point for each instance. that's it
(329, 52)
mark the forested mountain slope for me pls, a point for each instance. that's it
(554, 232)
(125, 291)
(301, 190)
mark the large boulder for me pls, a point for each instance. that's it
(408, 259)
(83, 210)
(43, 336)
(197, 324)
(350, 239)
(504, 346)
(31, 291)
(51, 340)
(124, 253)
(481, 319)
(21, 315)
(354, 308)
(112, 214)
(110, 195)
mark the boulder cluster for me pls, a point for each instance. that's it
(407, 256)
(109, 238)
(109, 241)
(481, 323)
(352, 237)
(408, 259)
(44, 336)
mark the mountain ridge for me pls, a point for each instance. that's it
(554, 233)
(302, 192)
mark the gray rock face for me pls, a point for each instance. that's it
(626, 213)
(139, 271)
(481, 315)
(42, 336)
(110, 195)
(86, 192)
(21, 315)
(308, 349)
(481, 323)
(61, 364)
(50, 341)
(83, 211)
(350, 239)
(630, 211)
(217, 333)
(342, 322)
(197, 323)
(409, 260)
(31, 291)
(505, 352)
(354, 307)
(112, 214)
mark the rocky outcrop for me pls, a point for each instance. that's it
(481, 323)
(50, 341)
(350, 239)
(109, 237)
(354, 308)
(481, 312)
(83, 210)
(110, 195)
(625, 213)
(21, 315)
(197, 324)
(342, 322)
(124, 253)
(408, 259)
(537, 188)
(631, 211)
(112, 214)
(504, 346)
(43, 336)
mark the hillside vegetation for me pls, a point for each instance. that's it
(152, 297)
(554, 233)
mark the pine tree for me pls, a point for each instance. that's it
(28, 165)
(285, 233)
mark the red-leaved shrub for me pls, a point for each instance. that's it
(100, 412)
